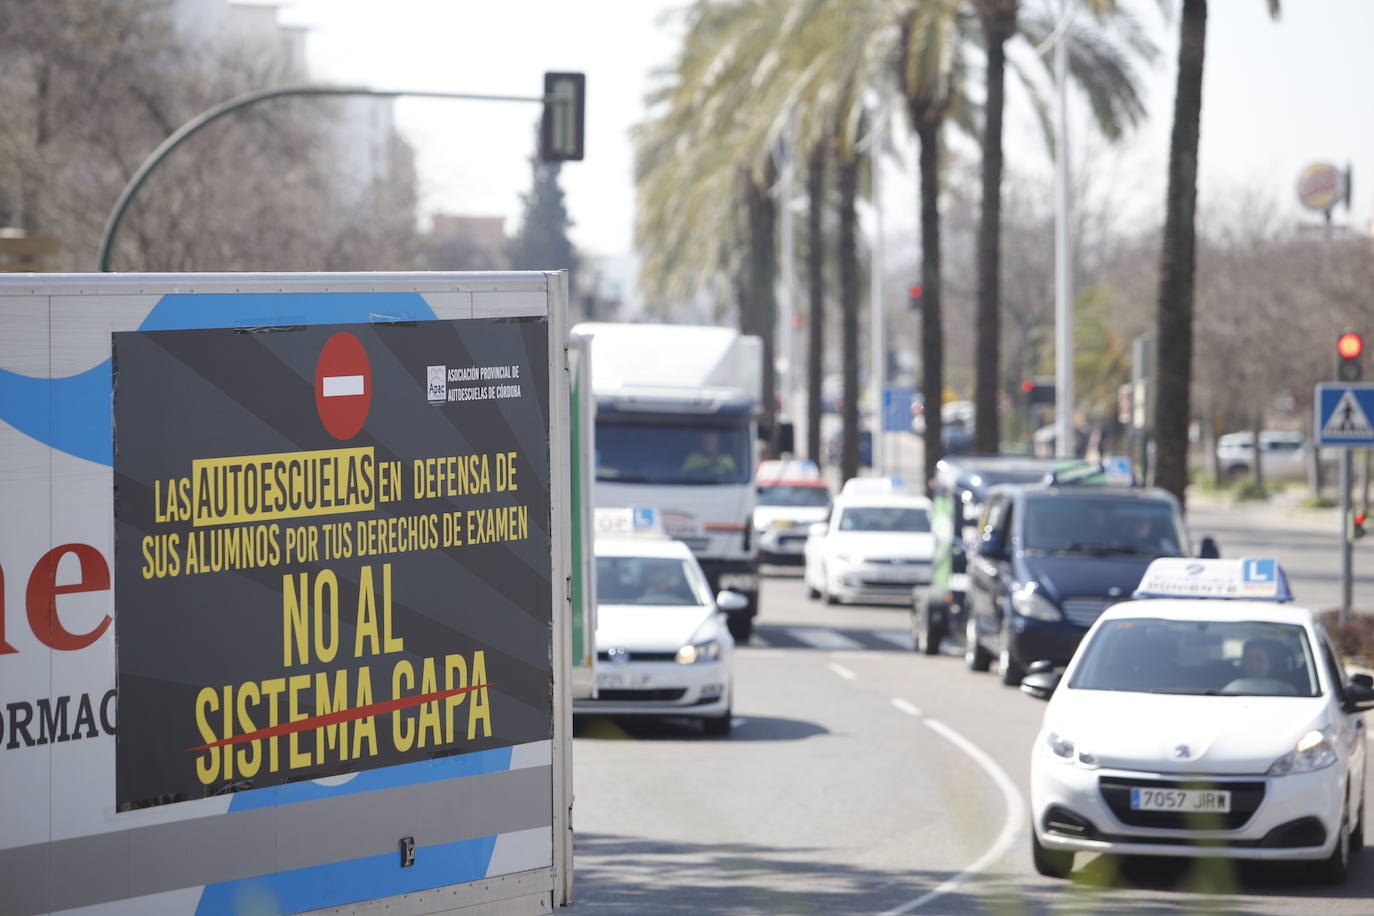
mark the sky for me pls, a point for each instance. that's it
(1276, 96)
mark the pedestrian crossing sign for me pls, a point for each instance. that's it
(1344, 414)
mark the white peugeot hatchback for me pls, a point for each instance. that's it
(1192, 726)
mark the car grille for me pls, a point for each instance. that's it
(640, 656)
(1245, 800)
(1083, 611)
(894, 587)
(661, 695)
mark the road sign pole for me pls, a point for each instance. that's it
(1346, 585)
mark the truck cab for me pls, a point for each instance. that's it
(677, 430)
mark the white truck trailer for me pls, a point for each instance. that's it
(677, 430)
(286, 591)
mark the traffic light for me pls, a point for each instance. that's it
(914, 297)
(1349, 357)
(1357, 529)
(565, 116)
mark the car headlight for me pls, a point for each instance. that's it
(1314, 752)
(1065, 751)
(1028, 602)
(1060, 746)
(698, 653)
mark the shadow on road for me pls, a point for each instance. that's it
(622, 874)
(747, 728)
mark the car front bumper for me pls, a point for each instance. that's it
(1294, 817)
(870, 582)
(659, 688)
(782, 545)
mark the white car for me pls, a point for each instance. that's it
(876, 546)
(786, 510)
(1284, 455)
(662, 644)
(1188, 726)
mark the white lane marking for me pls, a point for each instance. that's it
(819, 638)
(342, 386)
(905, 707)
(758, 641)
(902, 639)
(1011, 827)
(842, 671)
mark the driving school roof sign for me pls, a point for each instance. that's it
(1253, 578)
(1343, 414)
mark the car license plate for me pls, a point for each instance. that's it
(1182, 800)
(623, 680)
(895, 576)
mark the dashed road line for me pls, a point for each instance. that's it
(842, 671)
(906, 707)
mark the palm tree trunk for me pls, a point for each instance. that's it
(998, 24)
(815, 319)
(847, 179)
(932, 331)
(1174, 340)
(763, 317)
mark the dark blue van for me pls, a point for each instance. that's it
(1049, 559)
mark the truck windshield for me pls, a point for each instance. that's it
(668, 453)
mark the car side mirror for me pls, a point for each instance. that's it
(993, 546)
(1040, 685)
(1359, 697)
(817, 529)
(1362, 680)
(729, 601)
(1040, 666)
(1208, 550)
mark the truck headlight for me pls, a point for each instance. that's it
(698, 653)
(1314, 752)
(1028, 602)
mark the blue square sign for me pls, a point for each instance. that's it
(1343, 414)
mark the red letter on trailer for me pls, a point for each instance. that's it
(41, 596)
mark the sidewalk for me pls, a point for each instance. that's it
(1282, 509)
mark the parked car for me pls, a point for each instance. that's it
(663, 647)
(876, 545)
(1050, 559)
(1191, 726)
(1284, 454)
(960, 489)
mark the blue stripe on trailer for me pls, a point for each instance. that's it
(350, 882)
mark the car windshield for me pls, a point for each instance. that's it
(647, 581)
(1198, 657)
(667, 453)
(1067, 524)
(797, 497)
(885, 518)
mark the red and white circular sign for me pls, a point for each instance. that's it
(343, 385)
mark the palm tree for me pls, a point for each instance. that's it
(930, 74)
(1174, 334)
(1099, 64)
(815, 316)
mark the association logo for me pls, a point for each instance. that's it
(436, 385)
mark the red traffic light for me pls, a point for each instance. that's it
(915, 291)
(1028, 386)
(1350, 345)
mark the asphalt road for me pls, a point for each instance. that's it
(862, 778)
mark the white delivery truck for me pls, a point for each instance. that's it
(677, 430)
(286, 593)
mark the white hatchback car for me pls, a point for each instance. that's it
(662, 644)
(876, 545)
(1189, 726)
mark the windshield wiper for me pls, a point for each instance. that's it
(614, 477)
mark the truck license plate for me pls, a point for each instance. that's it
(1182, 800)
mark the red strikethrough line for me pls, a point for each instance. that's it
(342, 715)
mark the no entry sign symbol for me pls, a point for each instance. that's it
(343, 385)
